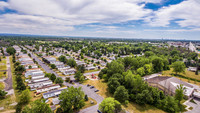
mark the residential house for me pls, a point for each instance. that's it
(48, 88)
(53, 93)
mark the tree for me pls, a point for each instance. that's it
(2, 94)
(53, 66)
(121, 94)
(71, 62)
(180, 91)
(25, 97)
(67, 79)
(110, 105)
(169, 104)
(52, 77)
(148, 68)
(20, 69)
(72, 99)
(29, 67)
(157, 64)
(113, 84)
(59, 81)
(10, 50)
(115, 67)
(178, 67)
(62, 59)
(20, 84)
(79, 76)
(81, 68)
(141, 71)
(38, 106)
(148, 53)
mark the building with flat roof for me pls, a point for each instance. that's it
(169, 85)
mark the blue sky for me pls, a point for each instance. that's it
(148, 19)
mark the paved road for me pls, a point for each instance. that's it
(44, 66)
(90, 93)
(8, 80)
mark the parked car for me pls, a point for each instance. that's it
(96, 90)
(88, 85)
(99, 111)
(91, 87)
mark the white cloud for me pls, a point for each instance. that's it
(86, 11)
(14, 23)
(187, 13)
(64, 14)
(3, 5)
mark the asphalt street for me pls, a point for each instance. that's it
(8, 81)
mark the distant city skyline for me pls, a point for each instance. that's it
(141, 19)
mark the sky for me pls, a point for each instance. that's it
(147, 19)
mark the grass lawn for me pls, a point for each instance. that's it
(3, 64)
(88, 104)
(135, 108)
(2, 86)
(2, 75)
(101, 86)
(13, 79)
(6, 102)
(187, 74)
(33, 97)
(2, 67)
(88, 71)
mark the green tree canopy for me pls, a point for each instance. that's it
(71, 62)
(178, 67)
(121, 94)
(113, 84)
(10, 50)
(72, 99)
(38, 106)
(180, 91)
(110, 105)
(59, 81)
(25, 97)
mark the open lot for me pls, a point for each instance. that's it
(188, 76)
(101, 86)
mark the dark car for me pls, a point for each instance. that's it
(91, 87)
(99, 111)
(96, 90)
(88, 85)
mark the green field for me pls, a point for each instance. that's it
(2, 85)
(2, 67)
(187, 75)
